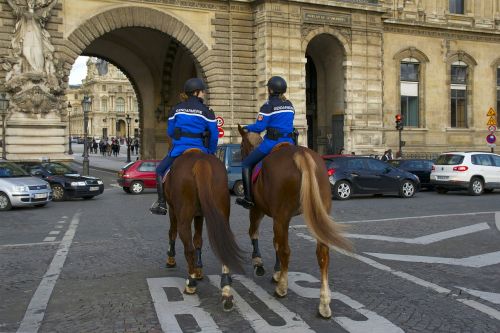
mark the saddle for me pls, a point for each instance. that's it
(258, 167)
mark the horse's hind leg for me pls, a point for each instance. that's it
(323, 255)
(198, 242)
(172, 235)
(225, 284)
(280, 226)
(189, 253)
(255, 219)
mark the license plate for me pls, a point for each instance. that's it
(94, 188)
(40, 195)
(442, 177)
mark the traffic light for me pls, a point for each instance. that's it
(399, 122)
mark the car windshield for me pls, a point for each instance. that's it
(449, 159)
(58, 169)
(126, 166)
(9, 170)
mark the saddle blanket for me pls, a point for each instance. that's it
(258, 167)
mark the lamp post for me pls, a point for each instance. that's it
(86, 104)
(128, 118)
(70, 150)
(4, 107)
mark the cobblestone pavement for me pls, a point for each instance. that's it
(426, 264)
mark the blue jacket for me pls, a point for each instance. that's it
(277, 114)
(194, 117)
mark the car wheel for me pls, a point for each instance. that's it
(238, 188)
(136, 187)
(407, 189)
(126, 189)
(441, 190)
(342, 190)
(87, 197)
(476, 186)
(4, 202)
(58, 192)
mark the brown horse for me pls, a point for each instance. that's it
(293, 181)
(196, 188)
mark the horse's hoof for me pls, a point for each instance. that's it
(280, 293)
(259, 270)
(227, 303)
(198, 274)
(189, 290)
(324, 311)
(276, 277)
(171, 262)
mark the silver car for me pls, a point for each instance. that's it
(18, 188)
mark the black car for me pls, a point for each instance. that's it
(66, 183)
(365, 175)
(420, 167)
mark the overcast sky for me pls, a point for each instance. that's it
(79, 70)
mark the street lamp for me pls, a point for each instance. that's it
(4, 107)
(70, 150)
(86, 104)
(128, 118)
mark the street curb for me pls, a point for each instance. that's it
(96, 168)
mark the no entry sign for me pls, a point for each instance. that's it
(221, 132)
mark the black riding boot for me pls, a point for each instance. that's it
(247, 201)
(159, 207)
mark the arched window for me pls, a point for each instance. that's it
(458, 86)
(409, 91)
(104, 105)
(120, 105)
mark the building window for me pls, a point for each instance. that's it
(103, 87)
(104, 105)
(409, 88)
(120, 105)
(456, 6)
(76, 96)
(459, 71)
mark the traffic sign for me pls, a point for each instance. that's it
(492, 128)
(491, 122)
(220, 121)
(491, 113)
(221, 132)
(491, 138)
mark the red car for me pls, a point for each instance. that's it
(136, 176)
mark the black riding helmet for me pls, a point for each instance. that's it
(277, 84)
(194, 84)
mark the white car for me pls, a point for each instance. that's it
(475, 172)
(18, 188)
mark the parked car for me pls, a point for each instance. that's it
(135, 176)
(18, 188)
(230, 155)
(65, 182)
(420, 167)
(351, 175)
(476, 172)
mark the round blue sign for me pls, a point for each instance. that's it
(491, 138)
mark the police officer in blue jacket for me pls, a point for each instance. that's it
(191, 124)
(276, 118)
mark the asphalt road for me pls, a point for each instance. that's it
(426, 264)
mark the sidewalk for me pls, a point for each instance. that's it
(106, 163)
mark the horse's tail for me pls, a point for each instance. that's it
(316, 213)
(219, 232)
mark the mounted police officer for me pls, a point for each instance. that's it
(276, 118)
(191, 124)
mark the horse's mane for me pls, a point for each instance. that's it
(254, 138)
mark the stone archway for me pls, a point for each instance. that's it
(156, 51)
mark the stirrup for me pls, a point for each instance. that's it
(245, 203)
(158, 208)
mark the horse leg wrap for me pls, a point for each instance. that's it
(256, 251)
(198, 263)
(191, 282)
(277, 264)
(171, 250)
(225, 280)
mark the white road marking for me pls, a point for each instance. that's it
(481, 260)
(61, 222)
(38, 304)
(293, 322)
(27, 244)
(497, 220)
(59, 226)
(49, 239)
(374, 322)
(55, 232)
(481, 307)
(487, 296)
(115, 185)
(166, 310)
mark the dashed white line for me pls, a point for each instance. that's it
(27, 244)
(55, 232)
(414, 217)
(49, 239)
(38, 304)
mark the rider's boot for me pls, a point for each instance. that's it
(247, 201)
(160, 206)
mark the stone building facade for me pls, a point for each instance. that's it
(351, 65)
(113, 99)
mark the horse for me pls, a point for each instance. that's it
(293, 181)
(196, 188)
